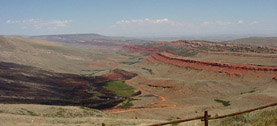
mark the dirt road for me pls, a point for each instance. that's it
(154, 105)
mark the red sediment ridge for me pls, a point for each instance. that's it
(230, 68)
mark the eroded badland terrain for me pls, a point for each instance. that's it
(132, 82)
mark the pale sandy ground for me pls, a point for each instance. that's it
(47, 115)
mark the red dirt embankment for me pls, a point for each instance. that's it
(230, 68)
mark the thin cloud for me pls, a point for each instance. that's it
(173, 23)
(166, 21)
(223, 23)
(216, 23)
(39, 23)
(206, 23)
(143, 21)
(240, 22)
(158, 22)
(254, 22)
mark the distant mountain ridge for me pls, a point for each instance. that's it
(71, 38)
(256, 41)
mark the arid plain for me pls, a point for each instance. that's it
(144, 81)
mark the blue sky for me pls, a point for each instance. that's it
(138, 17)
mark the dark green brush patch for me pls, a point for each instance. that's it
(149, 70)
(128, 55)
(174, 119)
(23, 111)
(203, 48)
(252, 91)
(131, 58)
(179, 51)
(130, 63)
(93, 72)
(225, 103)
(96, 93)
(120, 88)
(128, 103)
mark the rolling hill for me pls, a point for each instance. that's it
(30, 85)
(82, 38)
(49, 55)
(256, 41)
(171, 80)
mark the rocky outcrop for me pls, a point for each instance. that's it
(230, 68)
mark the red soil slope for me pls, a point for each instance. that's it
(230, 68)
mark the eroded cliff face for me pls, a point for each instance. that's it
(229, 68)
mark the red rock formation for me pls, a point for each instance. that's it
(230, 68)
